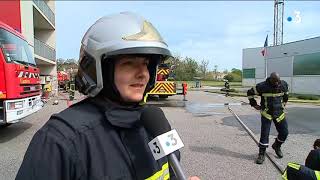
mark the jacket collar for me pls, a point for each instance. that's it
(119, 115)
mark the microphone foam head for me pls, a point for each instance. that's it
(154, 121)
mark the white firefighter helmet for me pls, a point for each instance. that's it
(118, 34)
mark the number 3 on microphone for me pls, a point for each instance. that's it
(172, 138)
(165, 144)
(157, 149)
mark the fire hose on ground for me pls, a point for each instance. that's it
(278, 166)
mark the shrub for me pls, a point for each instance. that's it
(308, 97)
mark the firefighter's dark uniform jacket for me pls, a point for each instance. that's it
(299, 172)
(311, 170)
(92, 141)
(313, 160)
(272, 99)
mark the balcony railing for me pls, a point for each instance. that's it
(44, 50)
(46, 10)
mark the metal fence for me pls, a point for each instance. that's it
(46, 10)
(44, 50)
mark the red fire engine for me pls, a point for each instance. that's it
(20, 88)
(63, 79)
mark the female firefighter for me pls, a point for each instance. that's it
(101, 137)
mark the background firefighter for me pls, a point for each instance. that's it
(227, 87)
(274, 96)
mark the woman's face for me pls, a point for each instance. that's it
(131, 77)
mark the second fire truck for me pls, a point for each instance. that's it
(163, 87)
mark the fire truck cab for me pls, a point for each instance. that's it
(20, 88)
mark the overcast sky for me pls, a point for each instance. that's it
(212, 30)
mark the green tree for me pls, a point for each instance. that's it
(236, 71)
(215, 72)
(228, 77)
(186, 69)
(203, 68)
(235, 75)
(60, 63)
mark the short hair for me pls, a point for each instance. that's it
(316, 143)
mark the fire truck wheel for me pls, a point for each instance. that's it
(163, 96)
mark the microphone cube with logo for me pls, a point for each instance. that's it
(165, 144)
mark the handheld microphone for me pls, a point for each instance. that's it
(166, 141)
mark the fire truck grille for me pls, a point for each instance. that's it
(30, 89)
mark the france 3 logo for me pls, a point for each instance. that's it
(296, 17)
(165, 144)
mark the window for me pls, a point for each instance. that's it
(249, 73)
(15, 49)
(307, 64)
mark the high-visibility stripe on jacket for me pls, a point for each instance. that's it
(296, 171)
(272, 99)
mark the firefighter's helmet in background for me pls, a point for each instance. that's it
(118, 34)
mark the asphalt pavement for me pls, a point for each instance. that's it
(222, 149)
(216, 146)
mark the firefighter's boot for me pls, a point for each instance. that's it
(277, 148)
(261, 156)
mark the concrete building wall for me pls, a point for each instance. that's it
(46, 36)
(248, 82)
(307, 46)
(281, 59)
(46, 70)
(306, 85)
(35, 24)
(254, 59)
(283, 66)
(27, 21)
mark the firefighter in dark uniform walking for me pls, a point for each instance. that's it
(274, 96)
(102, 136)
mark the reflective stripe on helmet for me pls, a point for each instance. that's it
(148, 33)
